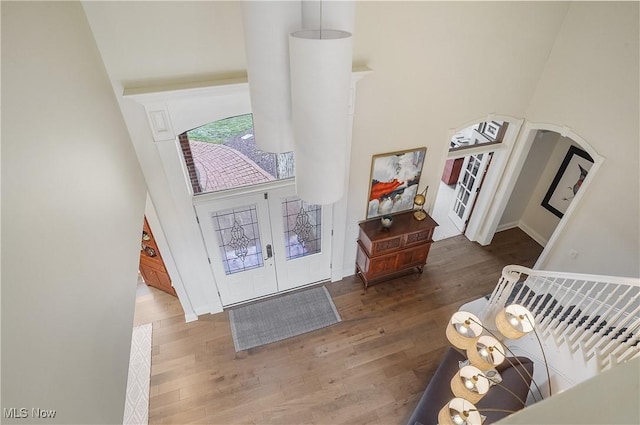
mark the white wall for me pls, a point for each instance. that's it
(72, 209)
(610, 397)
(438, 65)
(529, 178)
(538, 220)
(166, 41)
(435, 66)
(590, 85)
(153, 42)
(427, 60)
(524, 208)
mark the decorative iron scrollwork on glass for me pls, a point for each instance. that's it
(238, 237)
(303, 227)
(239, 241)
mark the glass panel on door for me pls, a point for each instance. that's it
(467, 188)
(238, 238)
(261, 243)
(302, 227)
(237, 235)
(301, 239)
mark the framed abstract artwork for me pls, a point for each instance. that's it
(568, 180)
(394, 181)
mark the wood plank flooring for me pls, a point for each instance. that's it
(371, 368)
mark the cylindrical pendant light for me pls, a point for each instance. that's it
(320, 83)
(267, 25)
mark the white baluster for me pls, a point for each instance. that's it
(555, 310)
(617, 353)
(593, 340)
(559, 334)
(575, 335)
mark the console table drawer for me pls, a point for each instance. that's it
(382, 246)
(413, 257)
(418, 237)
(383, 265)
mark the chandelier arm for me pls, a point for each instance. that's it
(495, 410)
(511, 363)
(546, 364)
(506, 389)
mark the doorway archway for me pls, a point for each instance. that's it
(532, 132)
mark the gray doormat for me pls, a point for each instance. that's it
(279, 318)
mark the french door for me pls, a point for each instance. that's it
(264, 242)
(467, 188)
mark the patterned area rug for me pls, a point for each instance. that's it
(279, 318)
(136, 408)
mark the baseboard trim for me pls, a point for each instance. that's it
(533, 234)
(348, 272)
(190, 317)
(507, 226)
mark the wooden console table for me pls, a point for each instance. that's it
(387, 253)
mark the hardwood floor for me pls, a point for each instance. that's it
(370, 368)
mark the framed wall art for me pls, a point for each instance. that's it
(568, 180)
(394, 181)
(493, 130)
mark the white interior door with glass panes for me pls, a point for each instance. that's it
(237, 235)
(301, 237)
(467, 188)
(265, 242)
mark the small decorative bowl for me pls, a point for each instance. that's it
(386, 221)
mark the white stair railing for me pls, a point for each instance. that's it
(598, 316)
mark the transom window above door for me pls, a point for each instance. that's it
(223, 155)
(482, 133)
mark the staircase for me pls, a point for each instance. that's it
(586, 323)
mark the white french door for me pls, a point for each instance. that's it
(265, 242)
(467, 188)
(237, 235)
(301, 237)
